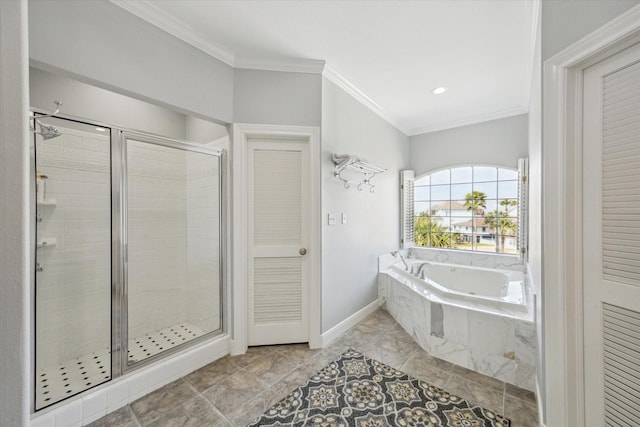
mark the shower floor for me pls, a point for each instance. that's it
(64, 380)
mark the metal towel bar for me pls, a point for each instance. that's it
(348, 162)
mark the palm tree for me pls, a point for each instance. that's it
(500, 221)
(506, 226)
(507, 203)
(475, 202)
(430, 233)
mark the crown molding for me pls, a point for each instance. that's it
(310, 66)
(336, 78)
(469, 120)
(624, 25)
(147, 11)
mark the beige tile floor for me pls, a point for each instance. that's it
(235, 390)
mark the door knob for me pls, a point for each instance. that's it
(303, 251)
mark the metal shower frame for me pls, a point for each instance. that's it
(119, 255)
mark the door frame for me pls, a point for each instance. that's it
(562, 214)
(241, 133)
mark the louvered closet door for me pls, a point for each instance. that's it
(279, 203)
(611, 240)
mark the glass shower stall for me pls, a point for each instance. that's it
(128, 255)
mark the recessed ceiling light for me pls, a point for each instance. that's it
(101, 129)
(439, 90)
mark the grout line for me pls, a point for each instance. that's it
(135, 417)
(504, 397)
(216, 410)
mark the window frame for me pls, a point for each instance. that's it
(519, 218)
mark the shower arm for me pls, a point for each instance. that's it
(57, 110)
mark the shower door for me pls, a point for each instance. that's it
(172, 238)
(128, 252)
(73, 259)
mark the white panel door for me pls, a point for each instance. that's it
(279, 212)
(611, 240)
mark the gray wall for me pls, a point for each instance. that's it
(497, 142)
(102, 44)
(564, 22)
(90, 102)
(350, 251)
(15, 258)
(203, 131)
(271, 97)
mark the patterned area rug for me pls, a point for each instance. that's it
(355, 390)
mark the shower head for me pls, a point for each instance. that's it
(47, 131)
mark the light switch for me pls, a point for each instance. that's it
(332, 219)
(344, 218)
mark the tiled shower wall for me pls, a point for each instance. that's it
(203, 235)
(173, 239)
(173, 243)
(157, 234)
(73, 292)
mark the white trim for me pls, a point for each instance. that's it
(239, 242)
(310, 66)
(562, 234)
(532, 19)
(339, 80)
(241, 134)
(539, 405)
(97, 402)
(147, 11)
(495, 115)
(348, 323)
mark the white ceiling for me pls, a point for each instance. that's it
(389, 54)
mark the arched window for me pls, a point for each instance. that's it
(469, 208)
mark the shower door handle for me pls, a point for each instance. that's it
(303, 251)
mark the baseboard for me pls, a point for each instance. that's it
(539, 404)
(342, 327)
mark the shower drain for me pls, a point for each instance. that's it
(59, 382)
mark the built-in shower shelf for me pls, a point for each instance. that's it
(46, 243)
(48, 202)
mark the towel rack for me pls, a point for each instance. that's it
(349, 162)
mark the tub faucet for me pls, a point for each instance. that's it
(420, 272)
(402, 258)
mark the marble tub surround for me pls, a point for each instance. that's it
(500, 345)
(486, 289)
(384, 262)
(515, 306)
(387, 260)
(468, 258)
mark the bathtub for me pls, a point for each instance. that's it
(478, 317)
(503, 290)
